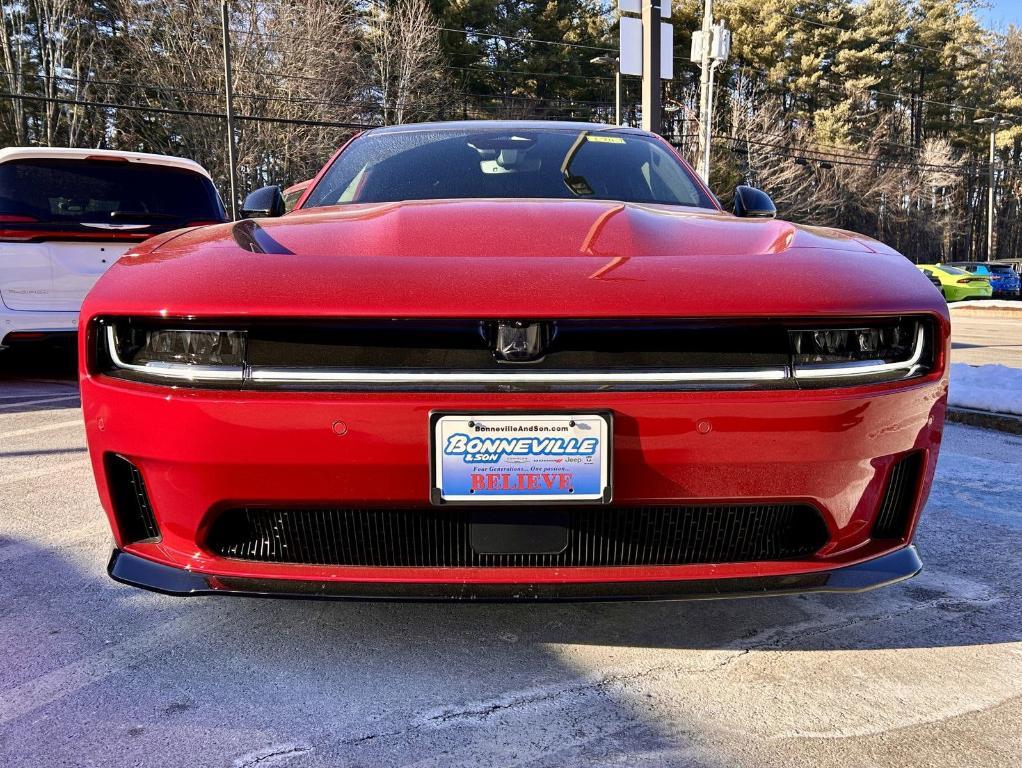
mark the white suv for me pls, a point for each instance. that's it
(66, 215)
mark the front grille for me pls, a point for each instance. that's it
(899, 498)
(467, 345)
(441, 537)
(132, 508)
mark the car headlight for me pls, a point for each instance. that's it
(889, 350)
(183, 353)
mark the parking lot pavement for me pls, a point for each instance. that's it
(984, 340)
(97, 674)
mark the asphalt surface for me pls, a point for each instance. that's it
(926, 673)
(986, 340)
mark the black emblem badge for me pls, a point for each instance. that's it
(519, 341)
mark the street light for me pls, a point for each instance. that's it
(995, 122)
(612, 61)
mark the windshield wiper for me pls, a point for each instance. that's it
(577, 184)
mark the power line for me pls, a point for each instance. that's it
(887, 38)
(466, 32)
(491, 70)
(901, 96)
(860, 160)
(174, 90)
(117, 83)
(877, 163)
(470, 33)
(484, 70)
(186, 112)
(553, 102)
(212, 94)
(852, 152)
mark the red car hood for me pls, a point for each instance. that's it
(492, 258)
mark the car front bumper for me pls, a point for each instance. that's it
(202, 451)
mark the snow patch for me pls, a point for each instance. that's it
(986, 304)
(275, 754)
(996, 388)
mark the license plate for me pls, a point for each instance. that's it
(484, 458)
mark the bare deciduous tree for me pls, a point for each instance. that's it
(914, 204)
(290, 61)
(63, 60)
(14, 51)
(402, 61)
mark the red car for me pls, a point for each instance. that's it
(512, 360)
(294, 193)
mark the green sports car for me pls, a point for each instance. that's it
(957, 284)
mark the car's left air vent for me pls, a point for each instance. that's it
(899, 498)
(130, 500)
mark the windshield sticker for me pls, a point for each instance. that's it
(606, 139)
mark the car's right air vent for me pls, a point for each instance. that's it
(132, 509)
(899, 498)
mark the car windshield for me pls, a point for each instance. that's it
(954, 270)
(1002, 269)
(59, 191)
(528, 163)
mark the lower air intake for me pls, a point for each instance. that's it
(442, 537)
(132, 509)
(896, 507)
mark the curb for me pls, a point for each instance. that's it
(1002, 422)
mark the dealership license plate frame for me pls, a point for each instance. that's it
(606, 453)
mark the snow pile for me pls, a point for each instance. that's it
(986, 304)
(995, 388)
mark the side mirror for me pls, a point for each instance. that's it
(268, 201)
(752, 203)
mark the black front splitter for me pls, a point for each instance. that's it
(881, 571)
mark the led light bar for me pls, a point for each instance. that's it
(870, 353)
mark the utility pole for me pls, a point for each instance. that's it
(617, 94)
(613, 61)
(651, 65)
(991, 198)
(710, 46)
(708, 124)
(229, 93)
(705, 92)
(994, 122)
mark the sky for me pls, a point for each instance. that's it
(1003, 12)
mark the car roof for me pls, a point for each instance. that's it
(84, 153)
(504, 125)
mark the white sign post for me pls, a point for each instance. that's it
(645, 55)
